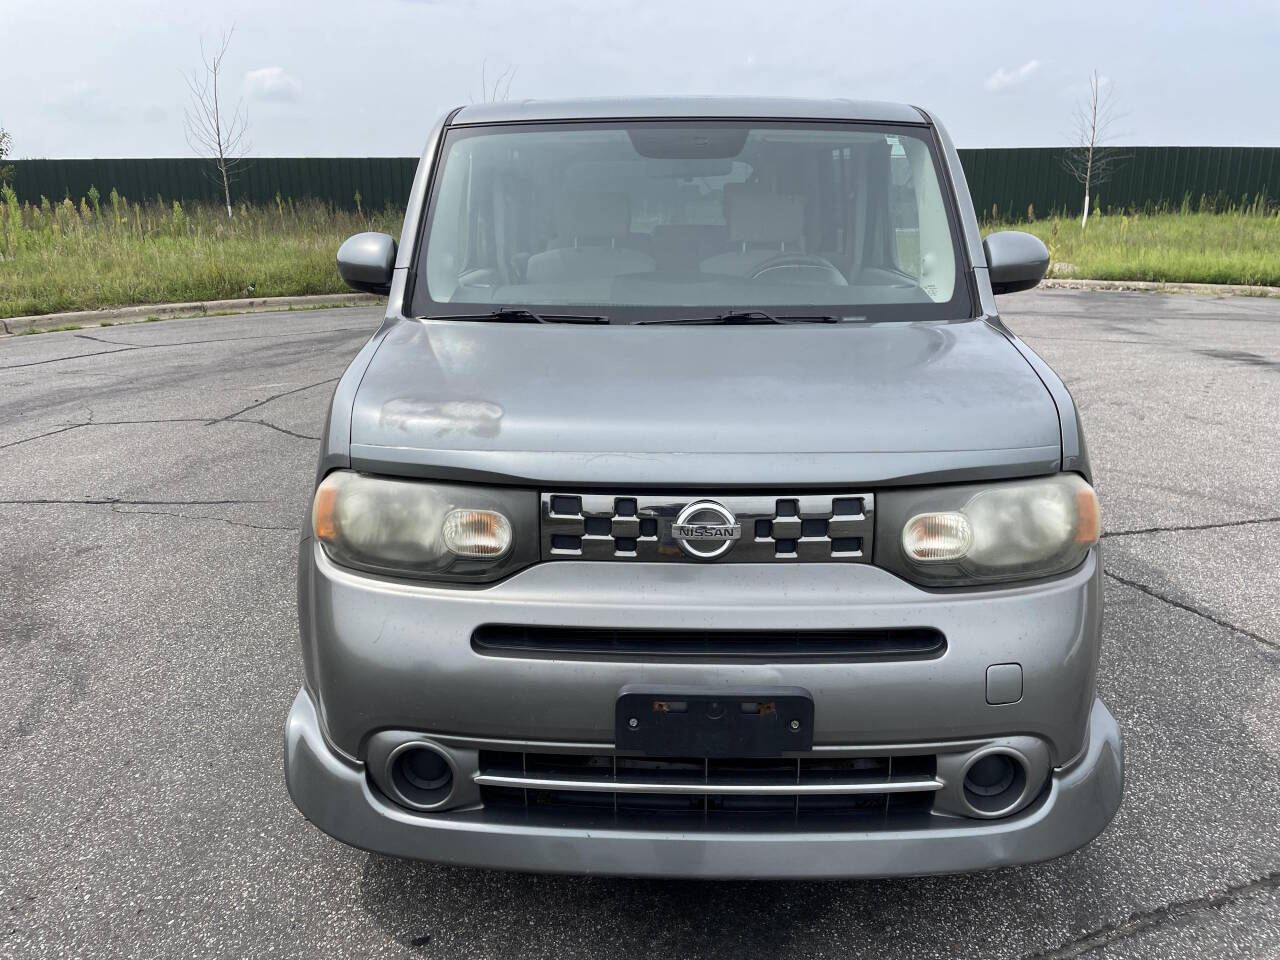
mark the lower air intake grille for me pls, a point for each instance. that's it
(864, 791)
(888, 644)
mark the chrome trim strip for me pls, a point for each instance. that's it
(726, 789)
(825, 751)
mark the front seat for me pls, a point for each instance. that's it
(590, 227)
(762, 226)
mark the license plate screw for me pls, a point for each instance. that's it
(795, 724)
(633, 723)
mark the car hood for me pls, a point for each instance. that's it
(726, 406)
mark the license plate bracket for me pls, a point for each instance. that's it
(699, 722)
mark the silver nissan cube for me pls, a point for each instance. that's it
(693, 513)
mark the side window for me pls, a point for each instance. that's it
(904, 211)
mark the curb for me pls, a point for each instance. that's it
(1153, 286)
(204, 308)
(174, 311)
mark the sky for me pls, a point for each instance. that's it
(368, 77)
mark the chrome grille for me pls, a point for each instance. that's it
(815, 528)
(711, 790)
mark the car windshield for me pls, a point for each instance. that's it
(674, 219)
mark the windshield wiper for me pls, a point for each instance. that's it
(745, 317)
(520, 315)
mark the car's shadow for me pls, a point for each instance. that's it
(443, 910)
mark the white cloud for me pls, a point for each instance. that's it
(156, 43)
(82, 102)
(271, 83)
(1002, 79)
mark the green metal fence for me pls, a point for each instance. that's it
(1004, 183)
(380, 180)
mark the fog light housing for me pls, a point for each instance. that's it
(995, 784)
(991, 776)
(420, 776)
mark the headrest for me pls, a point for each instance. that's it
(764, 217)
(584, 214)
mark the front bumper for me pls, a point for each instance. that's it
(389, 658)
(382, 654)
(335, 795)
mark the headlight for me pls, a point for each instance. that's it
(432, 530)
(986, 533)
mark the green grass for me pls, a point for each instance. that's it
(1241, 247)
(62, 329)
(86, 255)
(112, 252)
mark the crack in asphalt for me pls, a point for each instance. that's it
(207, 421)
(198, 516)
(1190, 527)
(78, 356)
(273, 426)
(116, 504)
(41, 436)
(1037, 336)
(119, 343)
(1143, 588)
(1156, 917)
(277, 396)
(185, 343)
(112, 501)
(125, 346)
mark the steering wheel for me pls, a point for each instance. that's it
(789, 260)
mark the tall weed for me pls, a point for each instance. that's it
(80, 255)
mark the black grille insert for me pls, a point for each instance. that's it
(898, 643)
(879, 789)
(804, 528)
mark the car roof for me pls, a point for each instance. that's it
(636, 108)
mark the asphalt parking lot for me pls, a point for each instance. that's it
(152, 482)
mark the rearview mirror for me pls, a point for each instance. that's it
(1015, 260)
(366, 261)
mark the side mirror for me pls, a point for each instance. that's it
(1015, 260)
(366, 261)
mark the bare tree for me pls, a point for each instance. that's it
(211, 131)
(1091, 161)
(6, 169)
(500, 89)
